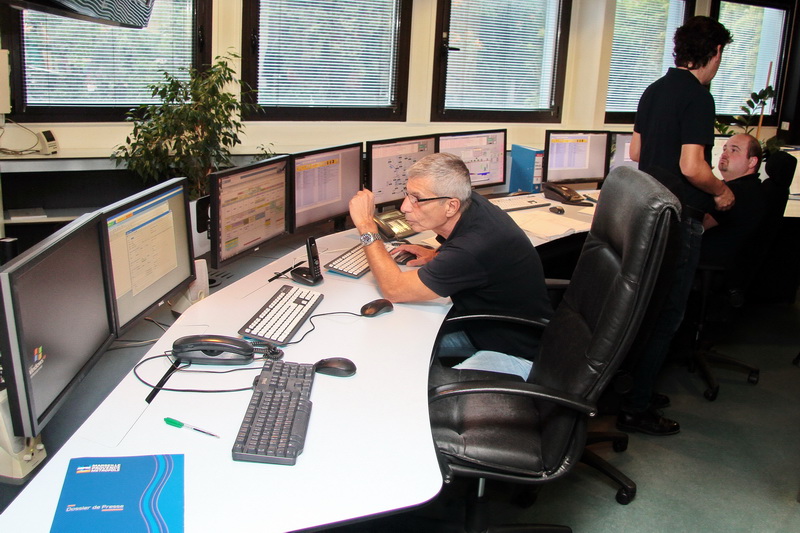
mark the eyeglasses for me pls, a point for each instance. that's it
(413, 200)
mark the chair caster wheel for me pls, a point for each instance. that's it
(711, 394)
(625, 496)
(752, 377)
(619, 446)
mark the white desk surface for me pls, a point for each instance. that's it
(368, 450)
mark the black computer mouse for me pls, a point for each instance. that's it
(557, 209)
(376, 307)
(340, 367)
(401, 258)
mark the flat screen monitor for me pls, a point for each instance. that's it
(323, 182)
(388, 161)
(619, 150)
(575, 156)
(248, 208)
(484, 152)
(149, 245)
(56, 320)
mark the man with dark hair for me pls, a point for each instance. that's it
(672, 140)
(485, 264)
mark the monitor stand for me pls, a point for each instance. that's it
(19, 456)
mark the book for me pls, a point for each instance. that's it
(136, 493)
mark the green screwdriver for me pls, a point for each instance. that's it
(179, 424)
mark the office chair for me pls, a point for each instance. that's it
(736, 280)
(494, 426)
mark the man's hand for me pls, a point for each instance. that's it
(362, 209)
(725, 199)
(423, 253)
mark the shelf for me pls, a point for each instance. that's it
(51, 216)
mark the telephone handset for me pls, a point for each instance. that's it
(212, 350)
(393, 225)
(312, 274)
(563, 194)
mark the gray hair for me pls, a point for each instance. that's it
(448, 174)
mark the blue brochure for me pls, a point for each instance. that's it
(142, 493)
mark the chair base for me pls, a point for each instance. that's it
(702, 360)
(619, 443)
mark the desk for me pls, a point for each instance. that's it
(368, 450)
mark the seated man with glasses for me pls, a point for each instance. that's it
(485, 264)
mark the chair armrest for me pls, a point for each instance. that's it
(533, 322)
(556, 283)
(530, 390)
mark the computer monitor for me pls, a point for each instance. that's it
(388, 161)
(149, 247)
(484, 152)
(323, 182)
(619, 150)
(56, 321)
(575, 156)
(248, 208)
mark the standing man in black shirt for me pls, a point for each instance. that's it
(672, 140)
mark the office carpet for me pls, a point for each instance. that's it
(735, 466)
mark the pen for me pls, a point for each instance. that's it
(179, 424)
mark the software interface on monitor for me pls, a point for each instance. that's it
(576, 156)
(389, 162)
(150, 253)
(483, 152)
(252, 207)
(621, 151)
(324, 182)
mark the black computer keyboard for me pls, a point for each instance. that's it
(274, 426)
(282, 315)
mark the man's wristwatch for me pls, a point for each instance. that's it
(369, 238)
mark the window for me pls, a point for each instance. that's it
(500, 61)
(634, 66)
(73, 70)
(327, 59)
(757, 51)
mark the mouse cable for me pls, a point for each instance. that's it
(183, 369)
(313, 326)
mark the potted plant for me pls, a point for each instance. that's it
(750, 119)
(191, 131)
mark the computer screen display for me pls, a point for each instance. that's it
(575, 156)
(387, 164)
(323, 183)
(248, 208)
(56, 320)
(150, 249)
(484, 152)
(620, 151)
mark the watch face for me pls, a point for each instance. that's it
(369, 238)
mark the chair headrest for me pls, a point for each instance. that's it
(780, 167)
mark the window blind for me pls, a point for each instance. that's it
(76, 63)
(328, 53)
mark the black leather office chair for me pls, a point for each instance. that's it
(494, 426)
(731, 283)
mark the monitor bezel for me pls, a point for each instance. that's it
(215, 207)
(546, 155)
(504, 159)
(397, 140)
(24, 420)
(338, 218)
(125, 204)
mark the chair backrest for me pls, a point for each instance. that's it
(599, 316)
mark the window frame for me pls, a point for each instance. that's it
(11, 33)
(439, 89)
(628, 117)
(780, 74)
(396, 112)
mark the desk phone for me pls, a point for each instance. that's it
(393, 225)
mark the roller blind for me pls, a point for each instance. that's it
(317, 53)
(75, 63)
(502, 55)
(641, 51)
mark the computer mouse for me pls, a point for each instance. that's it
(557, 209)
(340, 367)
(376, 307)
(401, 258)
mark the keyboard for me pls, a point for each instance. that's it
(520, 201)
(353, 262)
(274, 426)
(282, 315)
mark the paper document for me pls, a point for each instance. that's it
(546, 225)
